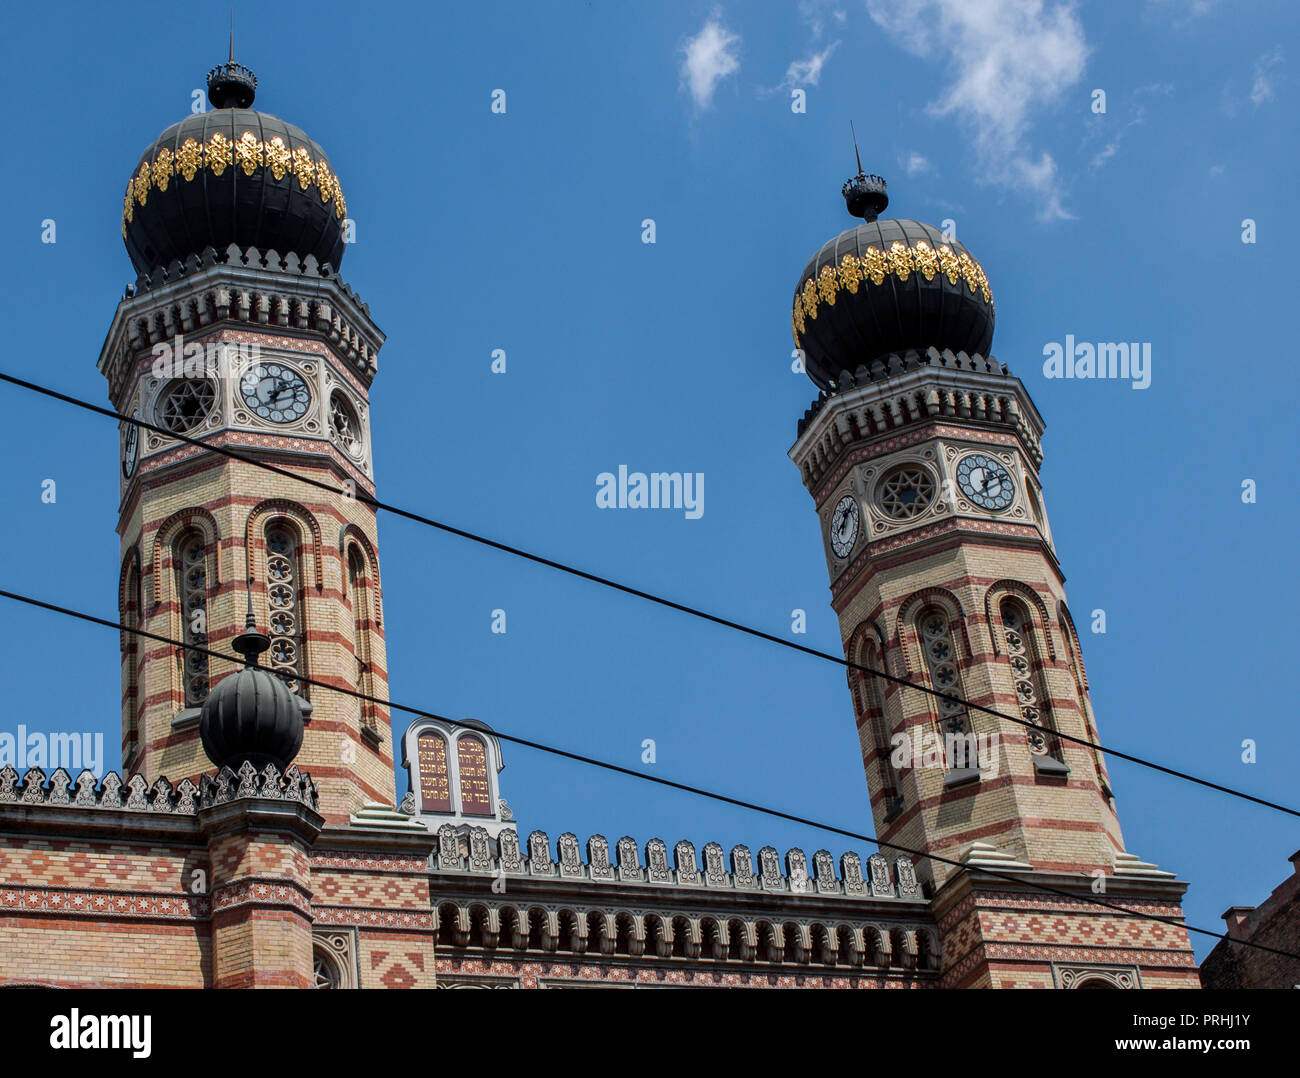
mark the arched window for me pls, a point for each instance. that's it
(431, 769)
(941, 659)
(286, 654)
(189, 557)
(873, 732)
(362, 626)
(130, 617)
(475, 788)
(1027, 678)
(1085, 712)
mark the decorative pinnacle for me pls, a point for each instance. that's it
(864, 194)
(231, 85)
(250, 643)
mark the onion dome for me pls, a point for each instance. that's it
(251, 715)
(232, 175)
(885, 287)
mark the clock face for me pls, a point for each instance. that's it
(275, 392)
(986, 482)
(844, 525)
(130, 449)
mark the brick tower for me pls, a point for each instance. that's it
(240, 333)
(922, 455)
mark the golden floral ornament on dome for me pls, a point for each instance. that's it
(875, 265)
(189, 158)
(900, 260)
(827, 282)
(927, 261)
(810, 298)
(277, 157)
(142, 184)
(162, 169)
(249, 153)
(949, 264)
(219, 154)
(304, 168)
(850, 272)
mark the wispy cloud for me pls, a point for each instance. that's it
(914, 164)
(1116, 130)
(808, 72)
(1009, 58)
(1262, 88)
(708, 58)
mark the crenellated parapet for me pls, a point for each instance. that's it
(473, 850)
(134, 794)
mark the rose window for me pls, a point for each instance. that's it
(905, 492)
(185, 404)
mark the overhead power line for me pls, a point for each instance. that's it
(592, 761)
(671, 604)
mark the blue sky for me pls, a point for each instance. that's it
(522, 232)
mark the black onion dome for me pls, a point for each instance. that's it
(251, 715)
(888, 286)
(232, 175)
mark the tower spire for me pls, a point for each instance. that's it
(864, 195)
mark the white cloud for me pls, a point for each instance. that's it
(914, 163)
(1009, 58)
(710, 56)
(1262, 88)
(808, 72)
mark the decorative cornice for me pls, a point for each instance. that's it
(136, 795)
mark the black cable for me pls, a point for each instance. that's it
(618, 768)
(638, 593)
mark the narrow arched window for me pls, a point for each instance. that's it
(873, 731)
(130, 617)
(472, 767)
(1027, 679)
(431, 764)
(362, 627)
(286, 654)
(189, 557)
(941, 659)
(1085, 711)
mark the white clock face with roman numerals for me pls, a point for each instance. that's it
(844, 525)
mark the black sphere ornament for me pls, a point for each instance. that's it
(251, 716)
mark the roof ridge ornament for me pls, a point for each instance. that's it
(864, 194)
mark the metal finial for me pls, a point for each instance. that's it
(232, 36)
(864, 195)
(250, 643)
